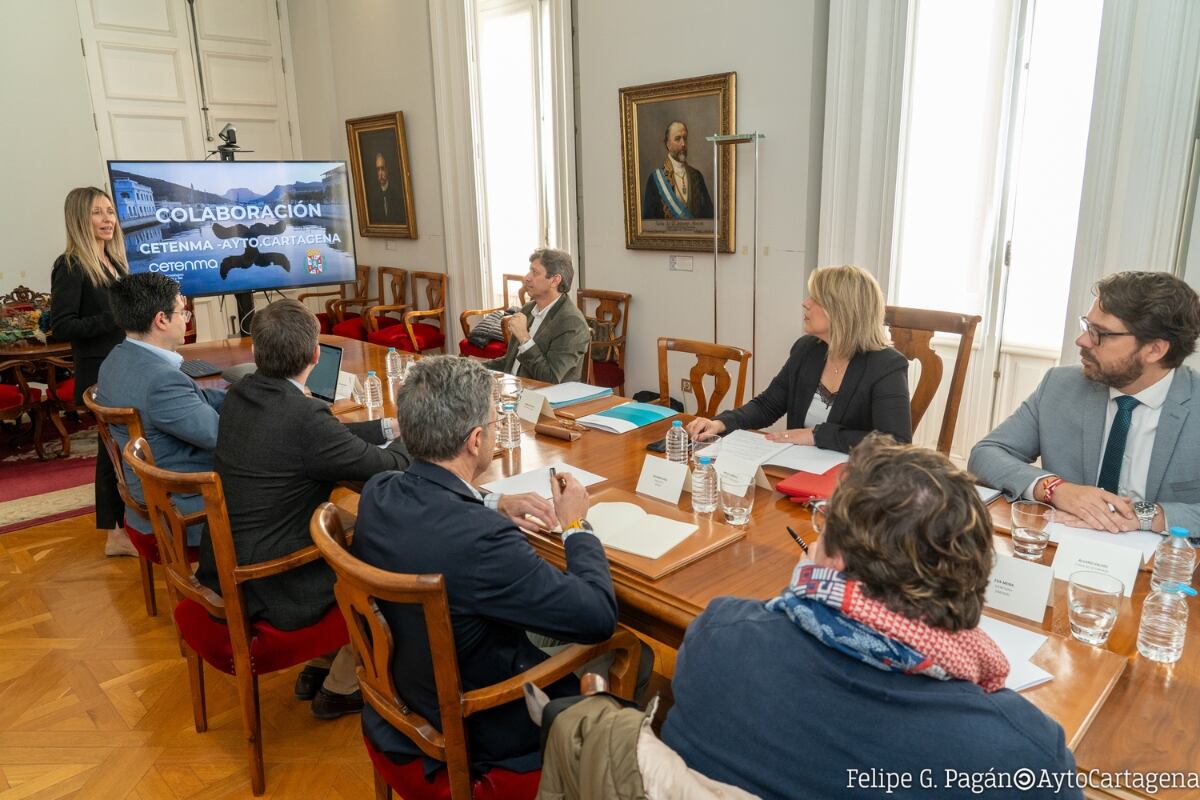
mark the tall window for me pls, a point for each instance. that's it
(515, 132)
(998, 109)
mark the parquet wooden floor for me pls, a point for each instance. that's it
(94, 698)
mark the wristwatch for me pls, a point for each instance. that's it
(578, 525)
(1145, 513)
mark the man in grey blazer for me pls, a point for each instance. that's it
(550, 336)
(1119, 435)
(142, 372)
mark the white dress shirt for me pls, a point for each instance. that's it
(538, 316)
(681, 178)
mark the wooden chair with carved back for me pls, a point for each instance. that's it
(360, 589)
(711, 360)
(343, 321)
(609, 321)
(470, 318)
(18, 399)
(415, 335)
(214, 628)
(912, 332)
(393, 283)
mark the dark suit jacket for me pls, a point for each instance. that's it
(873, 397)
(426, 520)
(279, 454)
(386, 207)
(559, 346)
(699, 203)
(80, 314)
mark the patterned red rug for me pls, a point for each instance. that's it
(33, 492)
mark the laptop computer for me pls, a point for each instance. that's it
(323, 380)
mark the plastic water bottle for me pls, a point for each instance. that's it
(1164, 622)
(704, 486)
(373, 394)
(394, 371)
(1174, 559)
(677, 443)
(508, 427)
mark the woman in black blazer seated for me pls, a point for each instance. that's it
(80, 314)
(842, 380)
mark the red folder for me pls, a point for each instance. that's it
(805, 486)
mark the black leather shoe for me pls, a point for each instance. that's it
(327, 705)
(308, 681)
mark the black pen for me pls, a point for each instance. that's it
(562, 484)
(799, 541)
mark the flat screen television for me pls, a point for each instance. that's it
(236, 226)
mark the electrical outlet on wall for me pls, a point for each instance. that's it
(685, 385)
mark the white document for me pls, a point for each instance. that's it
(628, 527)
(1081, 553)
(1145, 542)
(1020, 587)
(807, 458)
(662, 479)
(987, 494)
(538, 480)
(533, 405)
(1018, 646)
(749, 446)
(564, 394)
(345, 385)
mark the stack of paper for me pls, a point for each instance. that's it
(566, 394)
(987, 494)
(757, 449)
(538, 480)
(628, 527)
(626, 417)
(1018, 646)
(1146, 542)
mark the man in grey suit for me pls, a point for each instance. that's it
(550, 335)
(1118, 436)
(142, 372)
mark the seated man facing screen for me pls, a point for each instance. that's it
(431, 519)
(550, 335)
(142, 372)
(1119, 436)
(871, 658)
(279, 454)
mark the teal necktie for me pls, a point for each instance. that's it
(1114, 451)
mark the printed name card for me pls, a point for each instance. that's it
(533, 405)
(1020, 587)
(662, 479)
(1077, 553)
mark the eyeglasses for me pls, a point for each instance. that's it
(187, 315)
(819, 510)
(1095, 335)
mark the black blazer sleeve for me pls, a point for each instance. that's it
(877, 402)
(71, 317)
(777, 399)
(335, 453)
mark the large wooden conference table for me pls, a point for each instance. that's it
(1142, 719)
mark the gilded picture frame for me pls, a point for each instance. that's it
(668, 199)
(382, 178)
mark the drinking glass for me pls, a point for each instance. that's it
(1093, 599)
(406, 361)
(1029, 534)
(700, 443)
(737, 496)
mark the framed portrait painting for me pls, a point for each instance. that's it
(382, 179)
(670, 188)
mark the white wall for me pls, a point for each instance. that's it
(354, 58)
(47, 140)
(777, 49)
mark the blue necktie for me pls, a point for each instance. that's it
(1114, 451)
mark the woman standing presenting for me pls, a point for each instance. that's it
(841, 381)
(80, 314)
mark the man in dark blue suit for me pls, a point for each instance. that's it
(142, 372)
(430, 519)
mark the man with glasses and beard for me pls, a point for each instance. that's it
(1118, 435)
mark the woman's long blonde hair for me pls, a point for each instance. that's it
(81, 242)
(854, 304)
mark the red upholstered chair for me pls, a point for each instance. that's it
(492, 349)
(609, 320)
(214, 628)
(414, 336)
(338, 316)
(359, 590)
(18, 398)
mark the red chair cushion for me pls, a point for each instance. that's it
(270, 648)
(147, 546)
(10, 396)
(65, 391)
(608, 373)
(428, 337)
(492, 350)
(351, 328)
(408, 780)
(326, 322)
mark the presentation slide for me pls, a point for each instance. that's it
(236, 226)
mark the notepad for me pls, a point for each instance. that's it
(627, 417)
(630, 528)
(572, 392)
